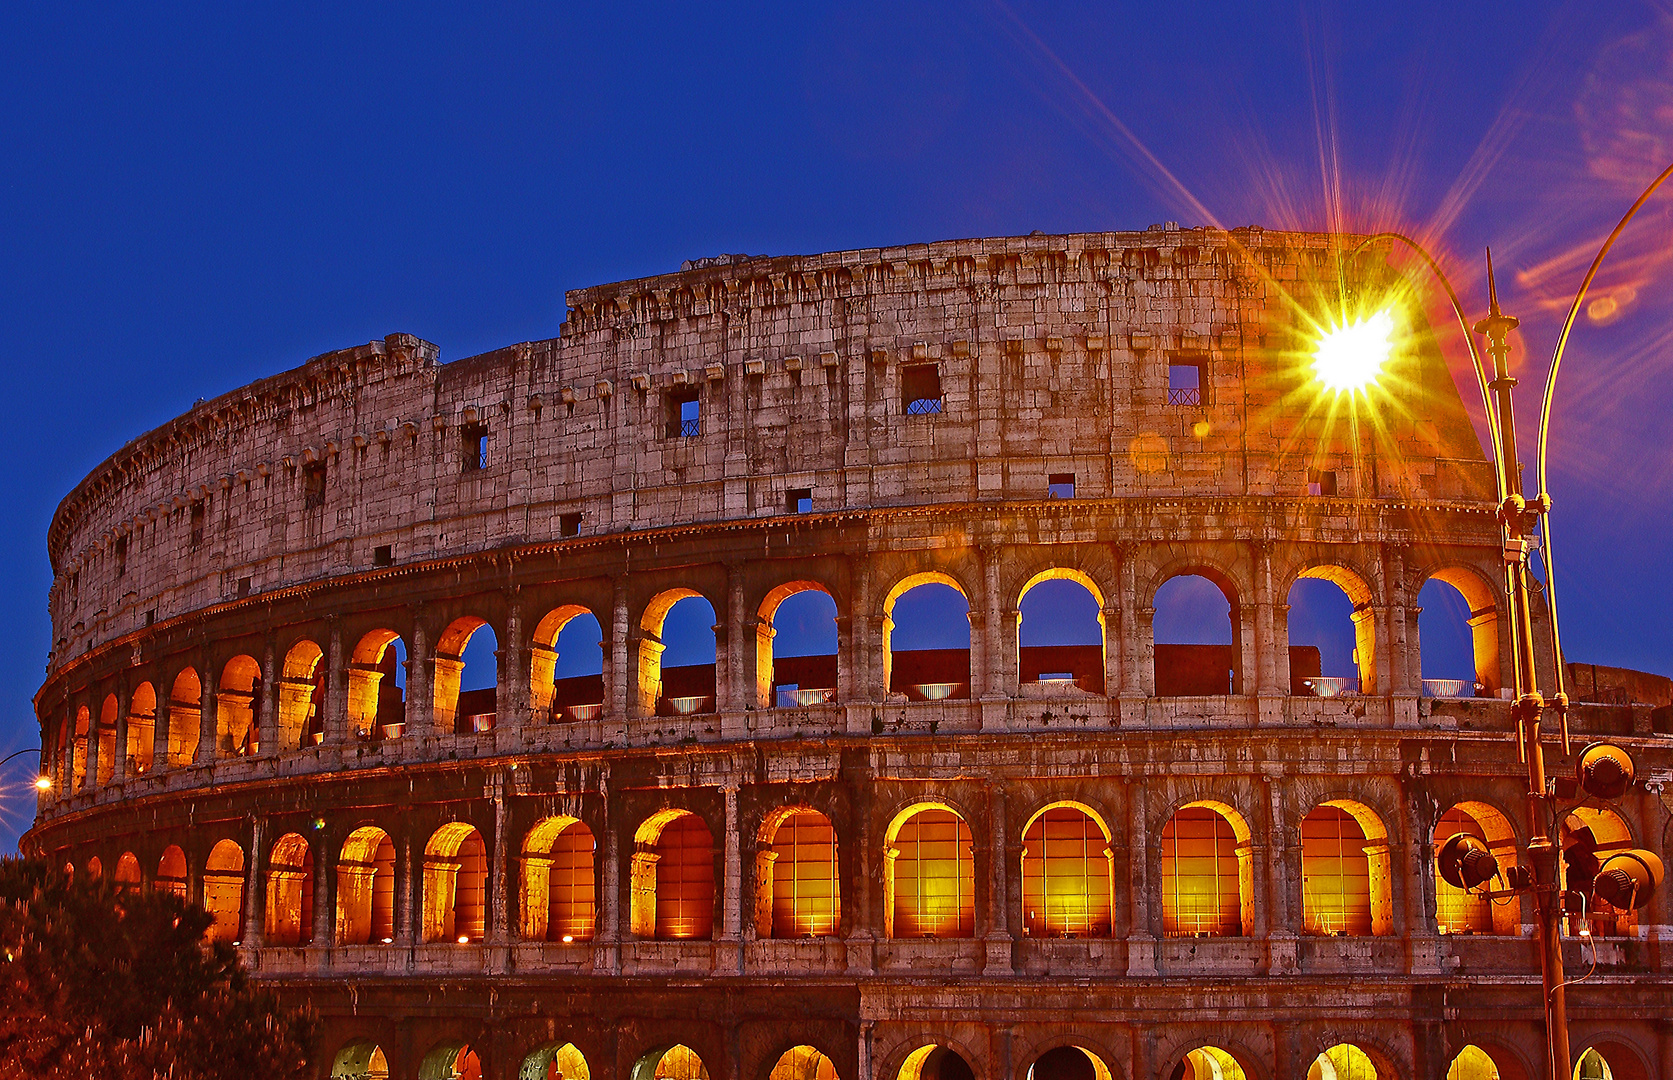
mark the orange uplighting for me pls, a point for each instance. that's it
(805, 892)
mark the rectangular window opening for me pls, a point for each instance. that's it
(799, 501)
(1321, 482)
(383, 555)
(197, 523)
(243, 587)
(474, 447)
(920, 389)
(1060, 485)
(569, 524)
(121, 556)
(1185, 382)
(151, 617)
(685, 414)
(313, 485)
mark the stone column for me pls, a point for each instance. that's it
(1144, 650)
(618, 678)
(421, 704)
(1267, 647)
(609, 895)
(336, 684)
(846, 683)
(1283, 917)
(498, 908)
(325, 870)
(267, 715)
(998, 934)
(90, 778)
(209, 722)
(731, 904)
(1404, 661)
(998, 678)
(407, 882)
(1141, 940)
(740, 690)
(119, 742)
(1115, 677)
(511, 701)
(255, 879)
(879, 663)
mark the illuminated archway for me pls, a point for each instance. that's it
(1209, 1063)
(935, 1062)
(1589, 836)
(673, 879)
(1319, 599)
(1068, 1063)
(142, 729)
(290, 892)
(107, 741)
(455, 885)
(806, 672)
(684, 682)
(1061, 636)
(566, 666)
(1207, 873)
(237, 707)
(554, 1061)
(376, 696)
(1196, 634)
(1483, 623)
(797, 890)
(302, 697)
(466, 687)
(223, 891)
(1067, 873)
(1461, 912)
(1344, 1061)
(1345, 871)
(929, 874)
(921, 611)
(450, 1061)
(127, 872)
(78, 763)
(1472, 1063)
(677, 1062)
(366, 888)
(95, 869)
(802, 1063)
(171, 872)
(360, 1061)
(185, 717)
(558, 881)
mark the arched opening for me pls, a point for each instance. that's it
(360, 1061)
(1068, 1063)
(797, 893)
(929, 875)
(1458, 635)
(1067, 874)
(1345, 887)
(107, 741)
(223, 891)
(237, 708)
(78, 764)
(677, 655)
(678, 1062)
(290, 892)
(366, 888)
(455, 885)
(1592, 1066)
(926, 638)
(1344, 1061)
(302, 697)
(1472, 1063)
(673, 877)
(1333, 634)
(566, 677)
(377, 686)
(796, 647)
(935, 1062)
(95, 869)
(142, 729)
(1207, 873)
(802, 1063)
(450, 1061)
(1195, 636)
(1060, 631)
(1461, 912)
(554, 1062)
(1589, 836)
(1208, 1063)
(171, 872)
(467, 677)
(557, 893)
(185, 715)
(127, 873)
(1611, 1061)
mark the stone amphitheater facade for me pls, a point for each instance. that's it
(221, 714)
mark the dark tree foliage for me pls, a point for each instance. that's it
(96, 981)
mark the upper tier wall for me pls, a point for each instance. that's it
(1052, 353)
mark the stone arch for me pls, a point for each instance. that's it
(366, 888)
(452, 1059)
(185, 715)
(1357, 1058)
(543, 664)
(455, 709)
(290, 892)
(455, 885)
(673, 879)
(1207, 871)
(223, 890)
(653, 695)
(142, 729)
(558, 881)
(929, 873)
(1482, 597)
(937, 1061)
(78, 763)
(1346, 871)
(1094, 1055)
(302, 696)
(676, 1062)
(238, 707)
(803, 1062)
(107, 741)
(932, 675)
(127, 872)
(1589, 835)
(822, 689)
(1086, 663)
(1458, 912)
(1187, 669)
(1621, 1057)
(1363, 597)
(1068, 872)
(1217, 1057)
(1507, 1062)
(376, 703)
(360, 1060)
(554, 1061)
(95, 869)
(798, 889)
(1472, 1063)
(171, 872)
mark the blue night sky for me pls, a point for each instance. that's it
(195, 197)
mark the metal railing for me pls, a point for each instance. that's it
(1189, 395)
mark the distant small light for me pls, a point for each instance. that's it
(387, 940)
(569, 939)
(236, 944)
(464, 940)
(319, 823)
(1585, 931)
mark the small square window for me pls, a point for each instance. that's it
(383, 555)
(685, 414)
(197, 523)
(474, 451)
(1060, 485)
(151, 617)
(1321, 482)
(798, 501)
(569, 524)
(920, 389)
(243, 587)
(313, 486)
(1185, 382)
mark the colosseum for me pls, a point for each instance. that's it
(982, 813)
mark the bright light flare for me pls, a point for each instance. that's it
(43, 783)
(1349, 358)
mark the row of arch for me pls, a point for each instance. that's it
(364, 1059)
(928, 874)
(562, 677)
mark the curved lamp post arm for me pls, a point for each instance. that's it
(19, 753)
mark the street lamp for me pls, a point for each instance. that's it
(43, 782)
